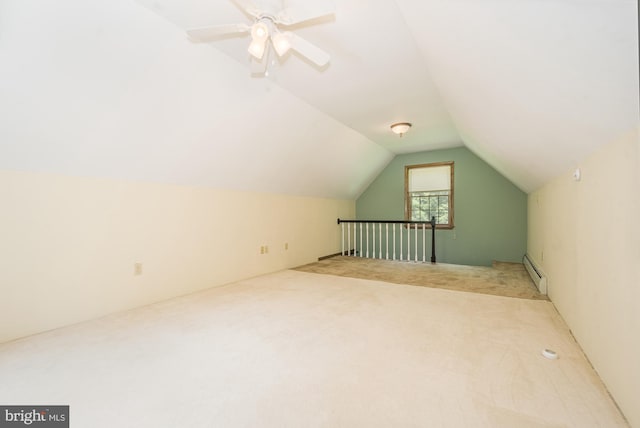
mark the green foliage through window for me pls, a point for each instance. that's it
(424, 205)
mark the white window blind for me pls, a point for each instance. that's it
(430, 179)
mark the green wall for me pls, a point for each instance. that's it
(490, 216)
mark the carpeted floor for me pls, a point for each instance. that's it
(502, 279)
(295, 349)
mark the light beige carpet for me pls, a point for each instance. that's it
(295, 349)
(502, 279)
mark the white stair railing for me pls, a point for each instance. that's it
(371, 243)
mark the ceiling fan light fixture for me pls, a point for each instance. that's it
(265, 31)
(400, 128)
(281, 42)
(259, 31)
(257, 48)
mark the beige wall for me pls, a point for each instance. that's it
(68, 245)
(586, 237)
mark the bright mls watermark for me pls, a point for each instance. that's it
(34, 416)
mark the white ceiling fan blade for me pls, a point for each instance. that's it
(311, 10)
(309, 50)
(204, 34)
(248, 6)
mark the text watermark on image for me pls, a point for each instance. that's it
(34, 416)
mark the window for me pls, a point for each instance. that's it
(429, 192)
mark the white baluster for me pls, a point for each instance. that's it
(361, 251)
(401, 227)
(386, 227)
(424, 249)
(415, 254)
(409, 243)
(355, 225)
(394, 241)
(380, 240)
(348, 239)
(367, 228)
(373, 241)
(355, 242)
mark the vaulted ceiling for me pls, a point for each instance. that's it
(116, 89)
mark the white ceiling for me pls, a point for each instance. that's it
(116, 89)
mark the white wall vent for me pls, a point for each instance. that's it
(538, 277)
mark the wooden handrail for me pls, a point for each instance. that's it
(431, 222)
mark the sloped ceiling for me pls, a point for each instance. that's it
(533, 86)
(115, 89)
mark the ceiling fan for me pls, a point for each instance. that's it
(271, 21)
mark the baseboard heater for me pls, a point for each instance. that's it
(538, 277)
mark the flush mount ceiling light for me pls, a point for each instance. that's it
(400, 128)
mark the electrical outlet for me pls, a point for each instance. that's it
(137, 268)
(262, 249)
(286, 245)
